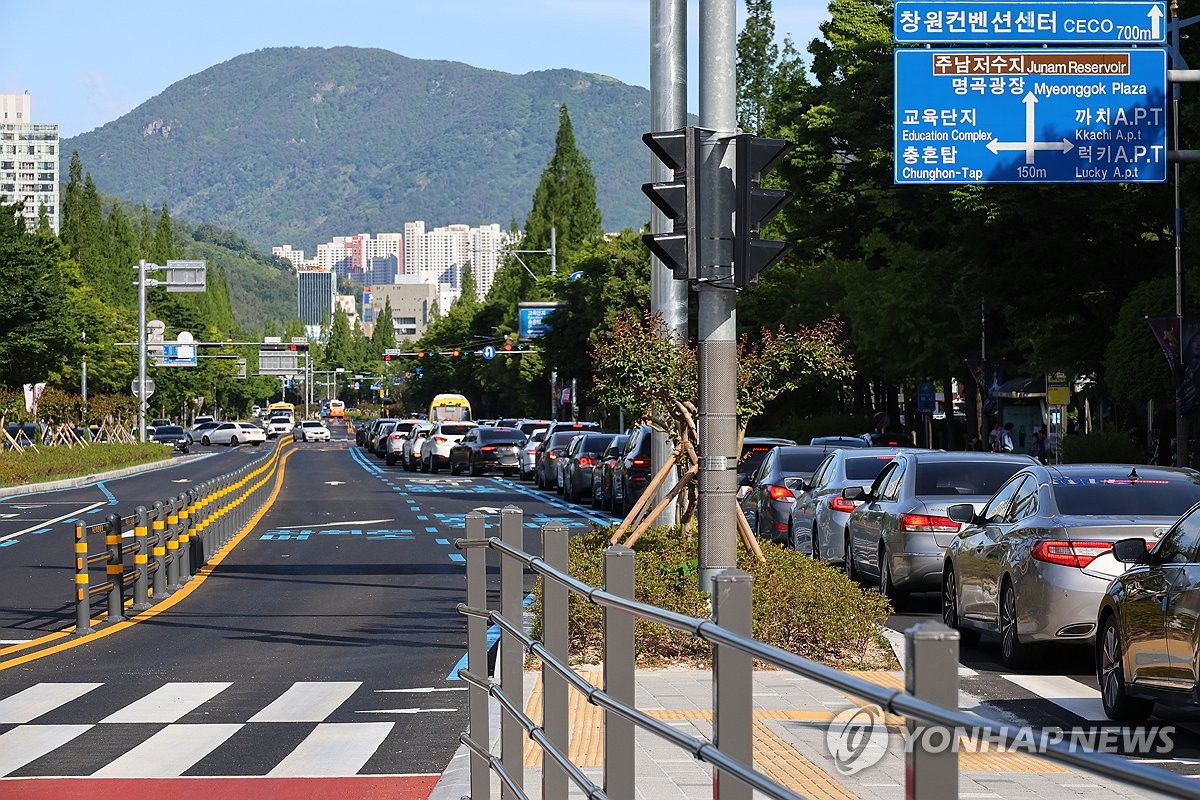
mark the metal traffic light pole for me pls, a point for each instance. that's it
(717, 299)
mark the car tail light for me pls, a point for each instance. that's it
(839, 503)
(641, 462)
(587, 461)
(395, 437)
(926, 522)
(552, 455)
(780, 493)
(440, 439)
(487, 447)
(1069, 554)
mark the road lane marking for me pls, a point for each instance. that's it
(29, 704)
(112, 498)
(28, 743)
(91, 509)
(407, 711)
(307, 701)
(427, 689)
(170, 752)
(1082, 701)
(349, 522)
(334, 748)
(169, 702)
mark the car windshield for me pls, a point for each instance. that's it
(948, 478)
(804, 461)
(1120, 497)
(249, 426)
(561, 439)
(752, 457)
(311, 424)
(595, 444)
(456, 430)
(865, 468)
(168, 430)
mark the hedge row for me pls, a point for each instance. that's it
(54, 463)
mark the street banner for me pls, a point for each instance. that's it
(33, 393)
(1166, 333)
(1189, 380)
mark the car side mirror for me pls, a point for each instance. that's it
(1131, 551)
(961, 512)
(856, 493)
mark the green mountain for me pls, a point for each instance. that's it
(297, 145)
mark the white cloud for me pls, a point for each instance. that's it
(104, 104)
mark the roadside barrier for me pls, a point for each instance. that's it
(170, 542)
(929, 701)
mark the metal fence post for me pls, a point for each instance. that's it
(477, 657)
(175, 508)
(931, 657)
(83, 595)
(172, 537)
(554, 686)
(618, 675)
(141, 559)
(160, 555)
(115, 569)
(733, 681)
(512, 654)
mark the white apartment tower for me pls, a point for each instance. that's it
(443, 253)
(28, 161)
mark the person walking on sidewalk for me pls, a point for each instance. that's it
(1006, 440)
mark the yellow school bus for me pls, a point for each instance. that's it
(449, 408)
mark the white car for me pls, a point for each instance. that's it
(410, 454)
(234, 433)
(279, 425)
(311, 430)
(435, 454)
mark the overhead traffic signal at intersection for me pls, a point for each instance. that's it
(755, 207)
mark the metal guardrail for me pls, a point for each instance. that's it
(171, 541)
(929, 700)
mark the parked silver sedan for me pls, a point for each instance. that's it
(818, 520)
(898, 535)
(1033, 564)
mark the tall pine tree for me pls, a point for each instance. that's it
(757, 55)
(565, 198)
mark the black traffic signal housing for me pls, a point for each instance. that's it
(679, 199)
(754, 156)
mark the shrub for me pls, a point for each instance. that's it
(1109, 446)
(800, 605)
(53, 463)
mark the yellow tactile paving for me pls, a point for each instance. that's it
(585, 725)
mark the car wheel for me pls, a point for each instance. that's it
(851, 567)
(204, 440)
(816, 547)
(606, 502)
(256, 444)
(596, 499)
(233, 441)
(887, 587)
(475, 470)
(433, 465)
(1013, 652)
(1118, 704)
(950, 608)
(390, 460)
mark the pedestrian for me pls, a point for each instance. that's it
(1038, 448)
(1006, 440)
(996, 437)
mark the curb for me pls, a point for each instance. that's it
(83, 480)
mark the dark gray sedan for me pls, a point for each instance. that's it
(771, 491)
(899, 533)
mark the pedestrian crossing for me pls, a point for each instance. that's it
(175, 729)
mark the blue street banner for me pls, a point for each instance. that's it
(1030, 116)
(1001, 23)
(532, 318)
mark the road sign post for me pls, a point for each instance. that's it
(1030, 116)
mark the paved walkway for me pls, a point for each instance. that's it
(791, 715)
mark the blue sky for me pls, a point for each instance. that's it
(86, 63)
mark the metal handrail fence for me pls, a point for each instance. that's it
(929, 701)
(170, 543)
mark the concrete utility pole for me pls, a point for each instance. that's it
(717, 298)
(668, 111)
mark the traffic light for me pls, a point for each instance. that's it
(387, 358)
(678, 199)
(508, 347)
(421, 354)
(455, 353)
(754, 156)
(292, 347)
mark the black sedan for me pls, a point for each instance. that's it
(173, 435)
(486, 448)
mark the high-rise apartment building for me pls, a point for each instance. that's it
(28, 161)
(443, 253)
(288, 252)
(316, 293)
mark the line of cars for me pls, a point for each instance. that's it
(1106, 555)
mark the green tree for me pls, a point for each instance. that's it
(339, 346)
(120, 255)
(72, 226)
(145, 231)
(163, 247)
(565, 198)
(757, 55)
(384, 337)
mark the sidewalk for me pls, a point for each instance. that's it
(791, 715)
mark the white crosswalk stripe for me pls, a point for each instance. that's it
(28, 705)
(1081, 700)
(334, 749)
(307, 701)
(30, 742)
(168, 753)
(168, 703)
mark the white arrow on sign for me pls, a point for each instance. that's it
(1155, 14)
(1029, 145)
(182, 480)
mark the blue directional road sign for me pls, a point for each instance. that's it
(488, 352)
(1031, 116)
(1111, 23)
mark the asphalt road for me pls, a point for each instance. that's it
(324, 643)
